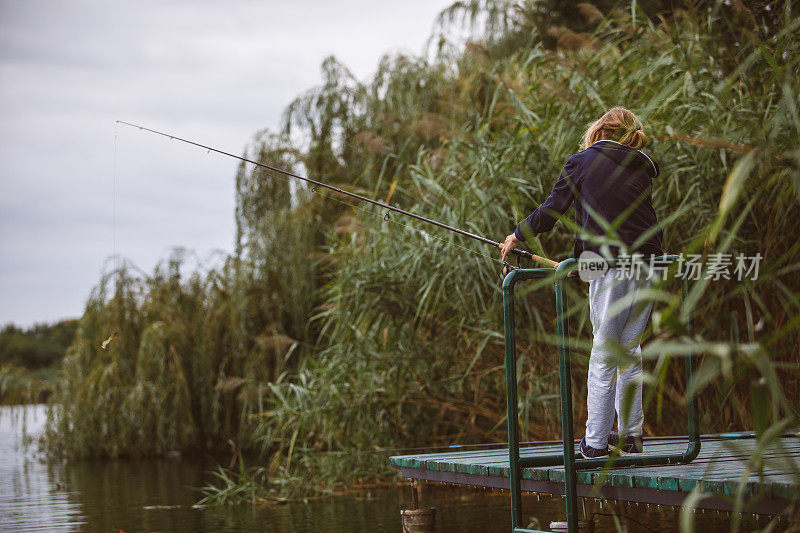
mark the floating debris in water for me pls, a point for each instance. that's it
(160, 507)
(167, 507)
(105, 342)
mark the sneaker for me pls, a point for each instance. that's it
(592, 453)
(631, 446)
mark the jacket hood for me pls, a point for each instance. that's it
(627, 157)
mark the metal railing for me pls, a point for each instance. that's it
(567, 458)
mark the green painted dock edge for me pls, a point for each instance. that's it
(718, 473)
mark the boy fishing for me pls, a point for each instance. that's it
(609, 183)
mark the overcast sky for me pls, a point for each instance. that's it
(212, 71)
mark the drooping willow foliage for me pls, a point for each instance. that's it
(336, 331)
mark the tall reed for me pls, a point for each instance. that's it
(337, 332)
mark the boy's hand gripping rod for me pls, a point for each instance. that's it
(517, 252)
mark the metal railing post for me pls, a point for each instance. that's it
(511, 398)
(514, 463)
(567, 458)
(565, 379)
(691, 401)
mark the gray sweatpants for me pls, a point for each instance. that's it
(619, 315)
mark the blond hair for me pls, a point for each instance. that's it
(618, 124)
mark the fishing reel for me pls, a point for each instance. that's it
(507, 268)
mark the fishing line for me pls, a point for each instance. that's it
(711, 437)
(114, 256)
(116, 264)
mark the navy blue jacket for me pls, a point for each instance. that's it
(608, 182)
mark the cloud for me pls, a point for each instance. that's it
(208, 70)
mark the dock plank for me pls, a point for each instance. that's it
(718, 471)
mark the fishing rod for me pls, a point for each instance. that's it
(506, 266)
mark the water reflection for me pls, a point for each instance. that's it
(29, 496)
(158, 495)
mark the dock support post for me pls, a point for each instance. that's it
(416, 520)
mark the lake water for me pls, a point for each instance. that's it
(160, 495)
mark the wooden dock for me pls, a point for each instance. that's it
(719, 471)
